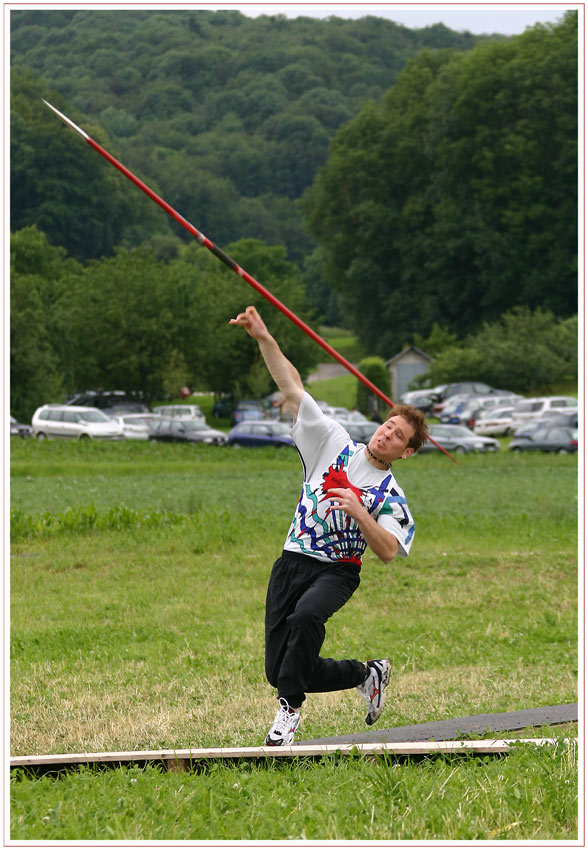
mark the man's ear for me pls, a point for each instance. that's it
(407, 452)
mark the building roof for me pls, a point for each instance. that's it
(405, 351)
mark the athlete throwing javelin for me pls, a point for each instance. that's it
(349, 500)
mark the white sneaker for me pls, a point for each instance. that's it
(374, 687)
(284, 726)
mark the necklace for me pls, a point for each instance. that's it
(377, 459)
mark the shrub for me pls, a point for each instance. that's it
(375, 369)
(525, 351)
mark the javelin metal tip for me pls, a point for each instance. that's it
(66, 120)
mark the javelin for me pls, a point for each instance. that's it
(204, 240)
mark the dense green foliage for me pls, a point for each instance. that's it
(524, 351)
(134, 322)
(375, 370)
(228, 116)
(456, 197)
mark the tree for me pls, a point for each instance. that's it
(36, 375)
(64, 188)
(455, 198)
(211, 294)
(438, 340)
(122, 324)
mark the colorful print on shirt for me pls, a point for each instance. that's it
(322, 531)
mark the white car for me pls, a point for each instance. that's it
(530, 409)
(181, 411)
(137, 426)
(495, 422)
(74, 422)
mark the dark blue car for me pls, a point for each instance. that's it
(265, 433)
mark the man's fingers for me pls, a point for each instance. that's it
(245, 318)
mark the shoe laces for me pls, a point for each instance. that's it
(284, 717)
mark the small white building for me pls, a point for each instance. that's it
(404, 367)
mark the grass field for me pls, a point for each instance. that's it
(138, 576)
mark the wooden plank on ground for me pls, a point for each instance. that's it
(184, 758)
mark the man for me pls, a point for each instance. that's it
(349, 500)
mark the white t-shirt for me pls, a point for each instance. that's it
(330, 458)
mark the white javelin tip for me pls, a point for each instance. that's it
(66, 120)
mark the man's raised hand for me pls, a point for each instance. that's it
(252, 322)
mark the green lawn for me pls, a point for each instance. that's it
(138, 575)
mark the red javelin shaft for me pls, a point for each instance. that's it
(204, 240)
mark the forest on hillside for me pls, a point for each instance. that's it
(228, 117)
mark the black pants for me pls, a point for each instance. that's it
(302, 594)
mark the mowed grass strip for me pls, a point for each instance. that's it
(152, 637)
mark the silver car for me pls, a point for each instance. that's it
(72, 422)
(459, 440)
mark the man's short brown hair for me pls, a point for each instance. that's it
(416, 418)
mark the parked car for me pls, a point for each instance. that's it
(69, 421)
(111, 402)
(565, 416)
(361, 432)
(18, 429)
(420, 401)
(344, 416)
(549, 438)
(461, 388)
(453, 406)
(409, 397)
(180, 411)
(550, 417)
(186, 430)
(459, 440)
(423, 399)
(136, 426)
(469, 412)
(245, 411)
(475, 414)
(534, 408)
(494, 422)
(254, 433)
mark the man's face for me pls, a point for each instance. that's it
(390, 441)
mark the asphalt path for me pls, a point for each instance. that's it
(455, 728)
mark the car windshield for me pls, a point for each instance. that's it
(94, 416)
(194, 426)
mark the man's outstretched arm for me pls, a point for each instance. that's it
(282, 371)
